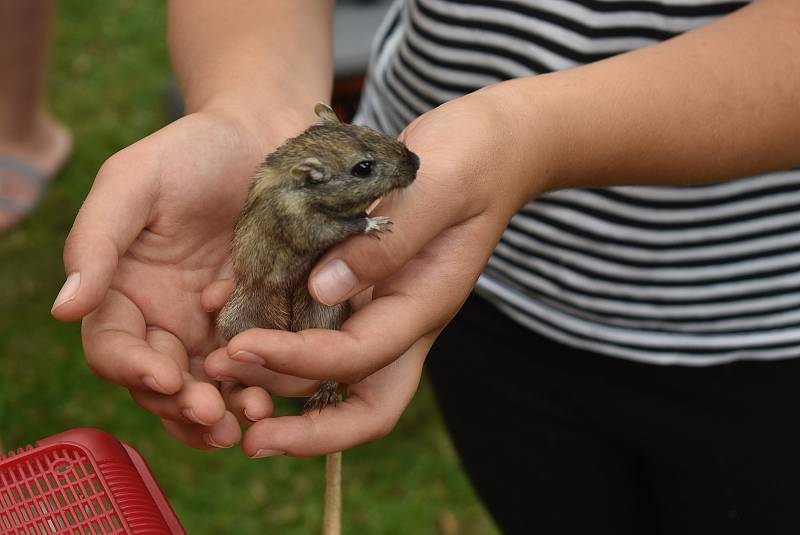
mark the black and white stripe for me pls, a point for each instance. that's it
(673, 275)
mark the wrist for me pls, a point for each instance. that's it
(528, 143)
(267, 124)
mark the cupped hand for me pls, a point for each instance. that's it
(153, 232)
(369, 411)
(474, 176)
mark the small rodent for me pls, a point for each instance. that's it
(308, 195)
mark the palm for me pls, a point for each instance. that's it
(201, 184)
(153, 233)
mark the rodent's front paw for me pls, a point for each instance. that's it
(377, 224)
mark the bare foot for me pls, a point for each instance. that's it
(27, 166)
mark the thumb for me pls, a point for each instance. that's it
(113, 215)
(418, 213)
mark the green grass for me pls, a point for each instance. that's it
(108, 68)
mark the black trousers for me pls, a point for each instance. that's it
(559, 441)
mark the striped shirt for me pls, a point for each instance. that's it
(693, 275)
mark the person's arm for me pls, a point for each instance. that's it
(157, 225)
(266, 60)
(717, 103)
(261, 64)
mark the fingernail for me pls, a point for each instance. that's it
(333, 282)
(68, 291)
(244, 411)
(246, 356)
(224, 379)
(210, 441)
(151, 383)
(189, 414)
(260, 454)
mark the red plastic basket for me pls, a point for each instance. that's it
(85, 482)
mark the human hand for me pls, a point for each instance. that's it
(369, 411)
(153, 232)
(471, 181)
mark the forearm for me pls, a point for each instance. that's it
(261, 58)
(716, 103)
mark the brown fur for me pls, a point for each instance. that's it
(305, 198)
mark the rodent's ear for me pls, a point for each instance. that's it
(325, 113)
(310, 170)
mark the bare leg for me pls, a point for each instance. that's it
(28, 134)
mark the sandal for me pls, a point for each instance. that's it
(21, 190)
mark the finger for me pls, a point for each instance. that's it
(197, 403)
(216, 294)
(370, 412)
(420, 299)
(248, 404)
(418, 215)
(361, 299)
(224, 434)
(219, 366)
(113, 215)
(115, 342)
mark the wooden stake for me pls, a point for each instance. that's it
(332, 515)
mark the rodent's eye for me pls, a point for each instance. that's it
(362, 169)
